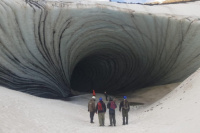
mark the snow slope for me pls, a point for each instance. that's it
(177, 112)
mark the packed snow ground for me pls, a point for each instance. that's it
(177, 112)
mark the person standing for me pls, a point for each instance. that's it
(101, 109)
(106, 95)
(91, 108)
(93, 93)
(124, 105)
(111, 106)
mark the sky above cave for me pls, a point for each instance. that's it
(137, 1)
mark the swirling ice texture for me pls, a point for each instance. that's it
(49, 49)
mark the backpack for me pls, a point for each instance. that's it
(112, 105)
(99, 106)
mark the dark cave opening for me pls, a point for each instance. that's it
(96, 72)
(112, 71)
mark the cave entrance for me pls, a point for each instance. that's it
(106, 69)
(93, 73)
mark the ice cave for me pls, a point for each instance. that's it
(52, 48)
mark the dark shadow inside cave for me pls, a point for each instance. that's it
(111, 70)
(100, 71)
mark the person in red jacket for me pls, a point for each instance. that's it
(94, 93)
(101, 108)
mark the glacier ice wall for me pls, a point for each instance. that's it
(50, 48)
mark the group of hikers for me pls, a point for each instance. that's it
(100, 108)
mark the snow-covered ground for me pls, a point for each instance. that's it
(177, 112)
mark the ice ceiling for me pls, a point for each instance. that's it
(49, 49)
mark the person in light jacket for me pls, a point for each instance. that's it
(91, 108)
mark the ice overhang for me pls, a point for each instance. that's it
(51, 48)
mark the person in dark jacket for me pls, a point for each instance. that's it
(91, 108)
(111, 106)
(106, 95)
(101, 109)
(124, 105)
